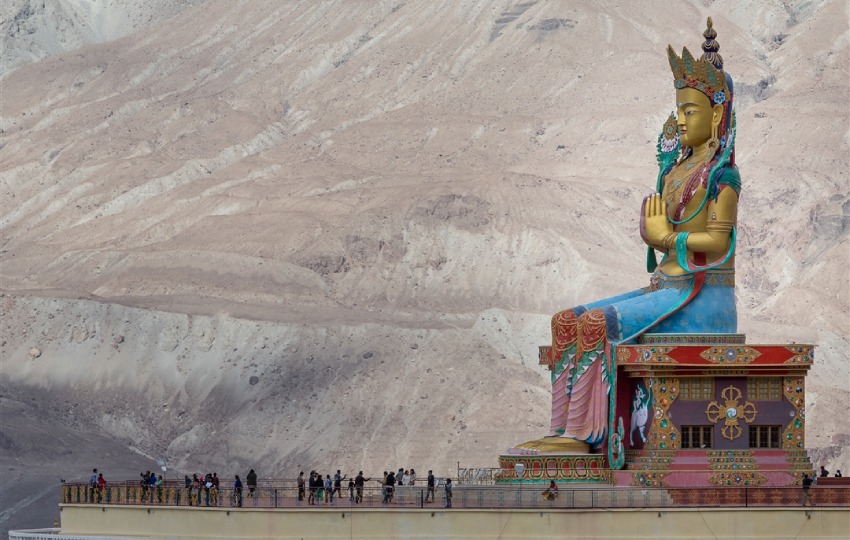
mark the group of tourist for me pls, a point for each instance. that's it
(97, 485)
(203, 489)
(209, 484)
(323, 489)
(151, 483)
(318, 489)
(809, 480)
(391, 479)
(825, 473)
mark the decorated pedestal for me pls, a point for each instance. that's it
(711, 410)
(698, 410)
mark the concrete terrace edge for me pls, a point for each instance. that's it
(180, 523)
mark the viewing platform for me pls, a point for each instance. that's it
(284, 495)
(478, 511)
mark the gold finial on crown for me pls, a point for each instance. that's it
(705, 74)
(710, 46)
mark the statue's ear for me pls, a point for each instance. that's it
(717, 115)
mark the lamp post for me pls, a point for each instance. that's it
(519, 468)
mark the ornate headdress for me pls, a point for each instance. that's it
(705, 74)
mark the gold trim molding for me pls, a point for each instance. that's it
(730, 355)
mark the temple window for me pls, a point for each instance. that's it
(765, 436)
(696, 436)
(764, 388)
(696, 388)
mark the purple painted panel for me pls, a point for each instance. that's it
(684, 413)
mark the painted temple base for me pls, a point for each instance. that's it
(720, 413)
(699, 411)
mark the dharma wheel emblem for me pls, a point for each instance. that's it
(731, 412)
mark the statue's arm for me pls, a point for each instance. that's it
(720, 218)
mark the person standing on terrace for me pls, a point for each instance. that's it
(359, 482)
(159, 483)
(313, 486)
(237, 492)
(338, 478)
(429, 495)
(807, 491)
(329, 489)
(251, 480)
(300, 482)
(92, 484)
(101, 486)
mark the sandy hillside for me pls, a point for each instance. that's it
(31, 30)
(290, 235)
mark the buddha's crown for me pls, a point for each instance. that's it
(705, 74)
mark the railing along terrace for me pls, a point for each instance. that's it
(53, 534)
(284, 494)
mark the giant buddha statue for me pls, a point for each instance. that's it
(690, 221)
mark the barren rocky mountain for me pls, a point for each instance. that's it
(297, 235)
(34, 29)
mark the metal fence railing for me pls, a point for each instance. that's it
(282, 495)
(54, 534)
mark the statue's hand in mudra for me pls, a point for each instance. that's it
(655, 226)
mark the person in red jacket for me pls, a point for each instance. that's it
(101, 487)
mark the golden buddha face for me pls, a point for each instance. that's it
(697, 118)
